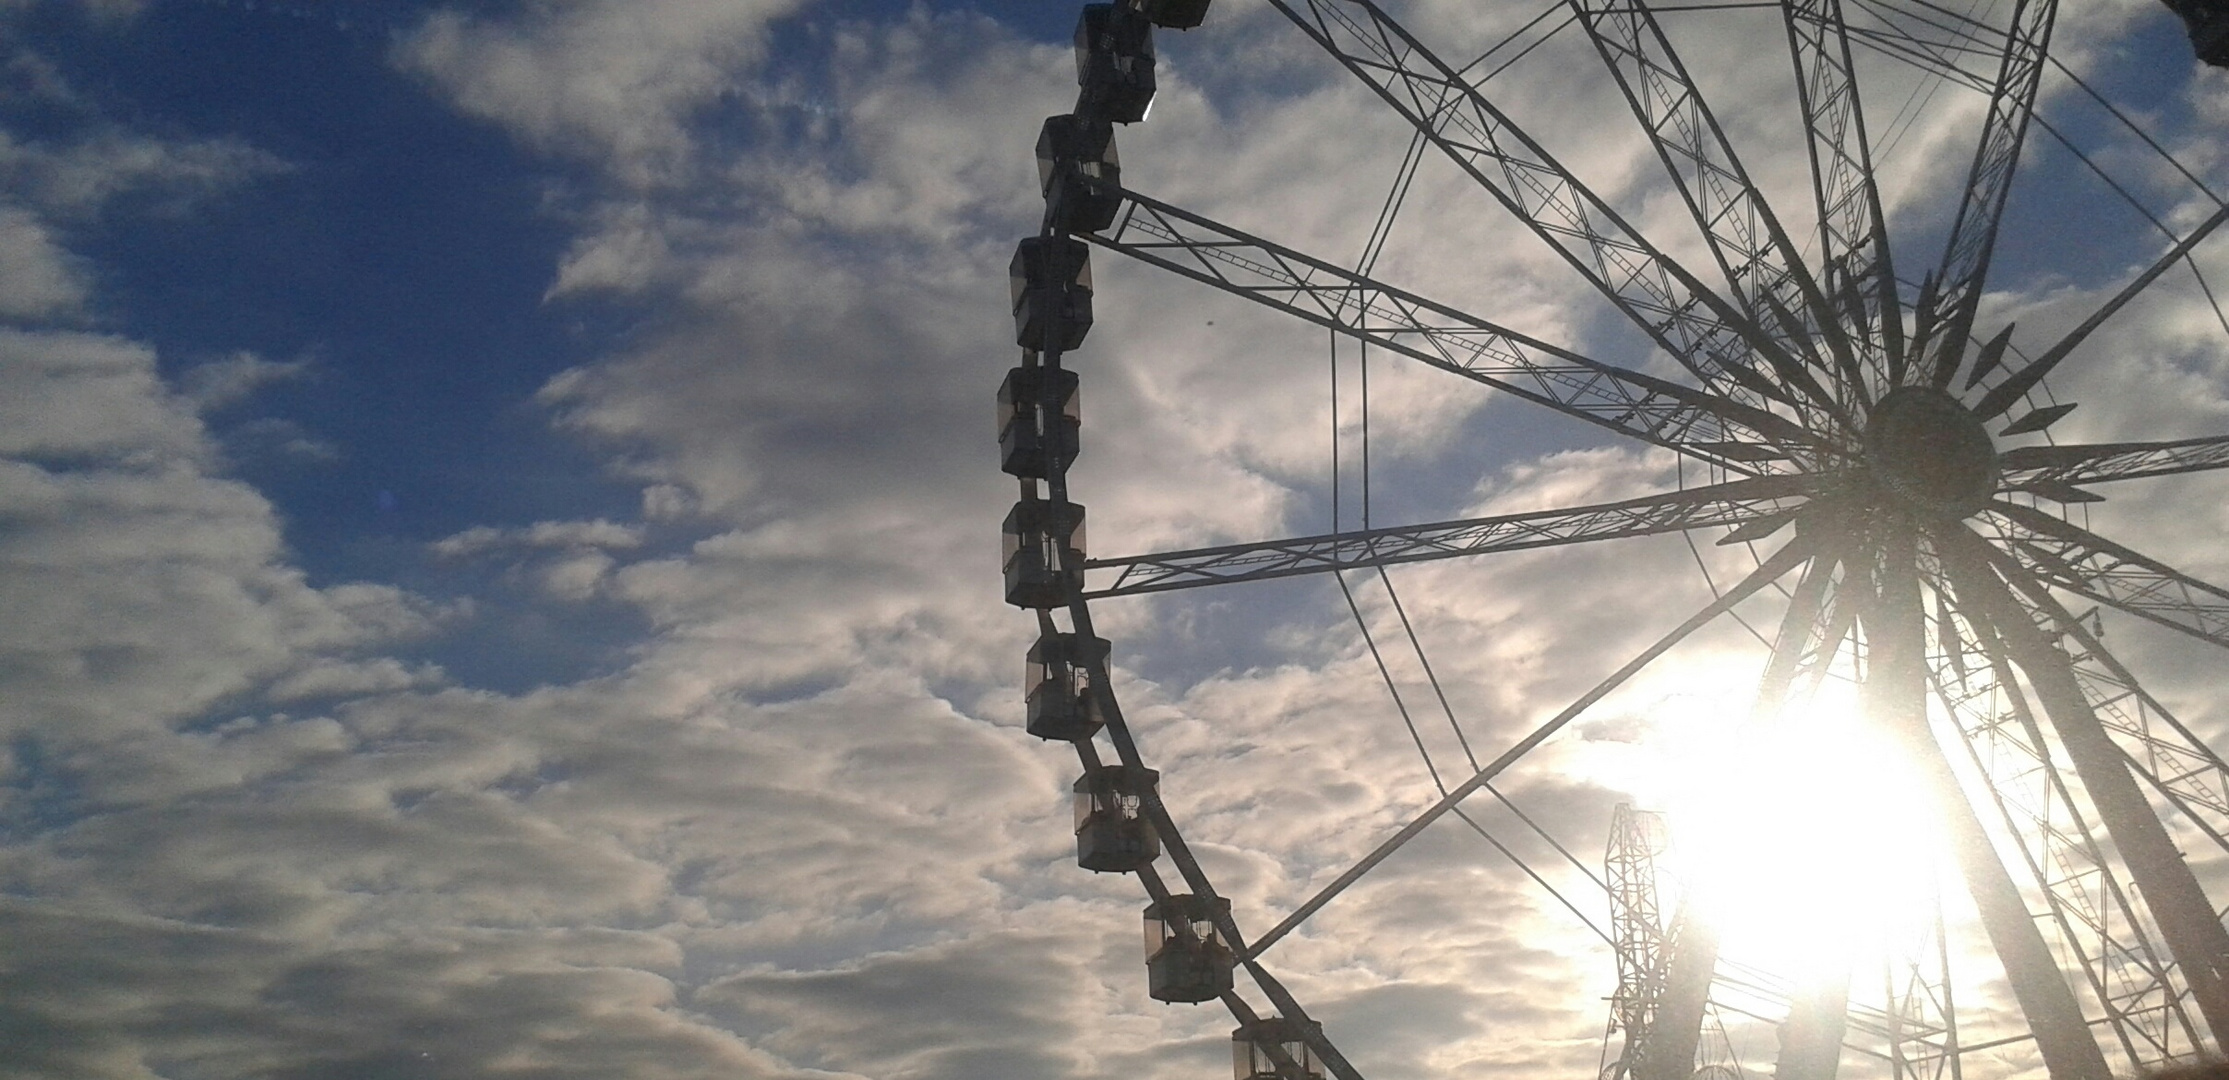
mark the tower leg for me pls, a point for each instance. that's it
(1895, 696)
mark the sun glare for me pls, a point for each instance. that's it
(1803, 839)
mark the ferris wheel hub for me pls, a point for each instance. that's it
(1931, 452)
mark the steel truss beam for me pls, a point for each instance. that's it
(1973, 237)
(1748, 243)
(2163, 752)
(2186, 920)
(2102, 462)
(2173, 760)
(1811, 635)
(1856, 273)
(2097, 923)
(1637, 837)
(1690, 961)
(1895, 693)
(1918, 1026)
(1720, 505)
(1710, 337)
(1740, 438)
(2080, 561)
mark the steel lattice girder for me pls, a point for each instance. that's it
(1895, 694)
(2096, 921)
(1748, 243)
(2186, 920)
(1637, 922)
(2163, 752)
(1857, 274)
(2080, 561)
(1811, 634)
(1712, 339)
(2096, 464)
(1973, 239)
(1739, 438)
(1736, 503)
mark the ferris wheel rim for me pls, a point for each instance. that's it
(2005, 521)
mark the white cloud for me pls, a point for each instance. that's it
(798, 831)
(82, 176)
(37, 278)
(274, 438)
(330, 678)
(80, 396)
(626, 254)
(612, 81)
(216, 384)
(143, 588)
(541, 534)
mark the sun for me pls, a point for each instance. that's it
(1803, 839)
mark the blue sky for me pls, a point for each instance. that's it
(497, 516)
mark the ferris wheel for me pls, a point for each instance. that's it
(1881, 440)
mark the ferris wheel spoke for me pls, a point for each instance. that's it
(2194, 935)
(1747, 241)
(1740, 438)
(1772, 569)
(1740, 502)
(1811, 632)
(2080, 561)
(1857, 275)
(1895, 692)
(1973, 236)
(2097, 923)
(2068, 466)
(2017, 384)
(2164, 752)
(1722, 347)
(1932, 39)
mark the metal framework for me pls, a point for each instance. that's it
(1638, 929)
(1891, 451)
(1647, 943)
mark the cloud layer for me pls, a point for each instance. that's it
(245, 830)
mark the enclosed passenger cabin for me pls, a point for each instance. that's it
(1051, 282)
(1060, 699)
(1073, 154)
(1044, 557)
(1113, 835)
(1250, 1057)
(1190, 968)
(1174, 14)
(1114, 63)
(1039, 422)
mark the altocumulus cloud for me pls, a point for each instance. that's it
(247, 829)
